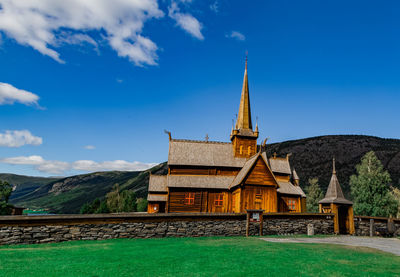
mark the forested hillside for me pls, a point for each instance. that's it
(311, 157)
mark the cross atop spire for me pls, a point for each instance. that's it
(246, 61)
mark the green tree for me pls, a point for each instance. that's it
(128, 201)
(370, 188)
(90, 208)
(118, 201)
(314, 195)
(103, 208)
(396, 195)
(5, 192)
(95, 207)
(113, 199)
(86, 208)
(141, 205)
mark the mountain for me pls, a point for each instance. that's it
(311, 157)
(25, 184)
(67, 195)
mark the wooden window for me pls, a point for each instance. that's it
(249, 150)
(326, 210)
(189, 198)
(219, 200)
(258, 194)
(241, 149)
(292, 205)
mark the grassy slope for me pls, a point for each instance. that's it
(74, 191)
(194, 257)
(25, 184)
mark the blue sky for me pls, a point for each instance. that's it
(76, 73)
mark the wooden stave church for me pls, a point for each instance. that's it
(226, 177)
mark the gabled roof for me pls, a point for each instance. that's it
(200, 181)
(158, 183)
(334, 193)
(203, 153)
(243, 172)
(247, 168)
(280, 165)
(157, 197)
(289, 188)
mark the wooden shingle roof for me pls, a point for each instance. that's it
(157, 197)
(289, 188)
(200, 181)
(334, 193)
(280, 165)
(202, 153)
(158, 183)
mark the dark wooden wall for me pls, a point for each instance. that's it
(156, 207)
(190, 170)
(204, 201)
(260, 175)
(259, 197)
(245, 143)
(284, 203)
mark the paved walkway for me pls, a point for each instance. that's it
(391, 245)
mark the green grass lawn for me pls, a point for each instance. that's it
(193, 257)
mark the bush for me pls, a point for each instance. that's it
(142, 205)
(5, 192)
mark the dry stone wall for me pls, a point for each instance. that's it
(362, 225)
(57, 230)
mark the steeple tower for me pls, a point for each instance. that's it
(243, 138)
(244, 115)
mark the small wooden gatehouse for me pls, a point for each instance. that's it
(335, 202)
(214, 177)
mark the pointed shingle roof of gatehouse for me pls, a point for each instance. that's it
(334, 193)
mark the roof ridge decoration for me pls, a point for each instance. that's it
(334, 193)
(294, 173)
(200, 141)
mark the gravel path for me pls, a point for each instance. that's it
(391, 245)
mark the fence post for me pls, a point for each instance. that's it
(247, 224)
(371, 227)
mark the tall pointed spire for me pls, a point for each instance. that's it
(244, 116)
(334, 166)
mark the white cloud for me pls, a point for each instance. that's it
(90, 147)
(24, 160)
(18, 138)
(60, 167)
(215, 7)
(10, 94)
(236, 35)
(87, 165)
(45, 24)
(185, 20)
